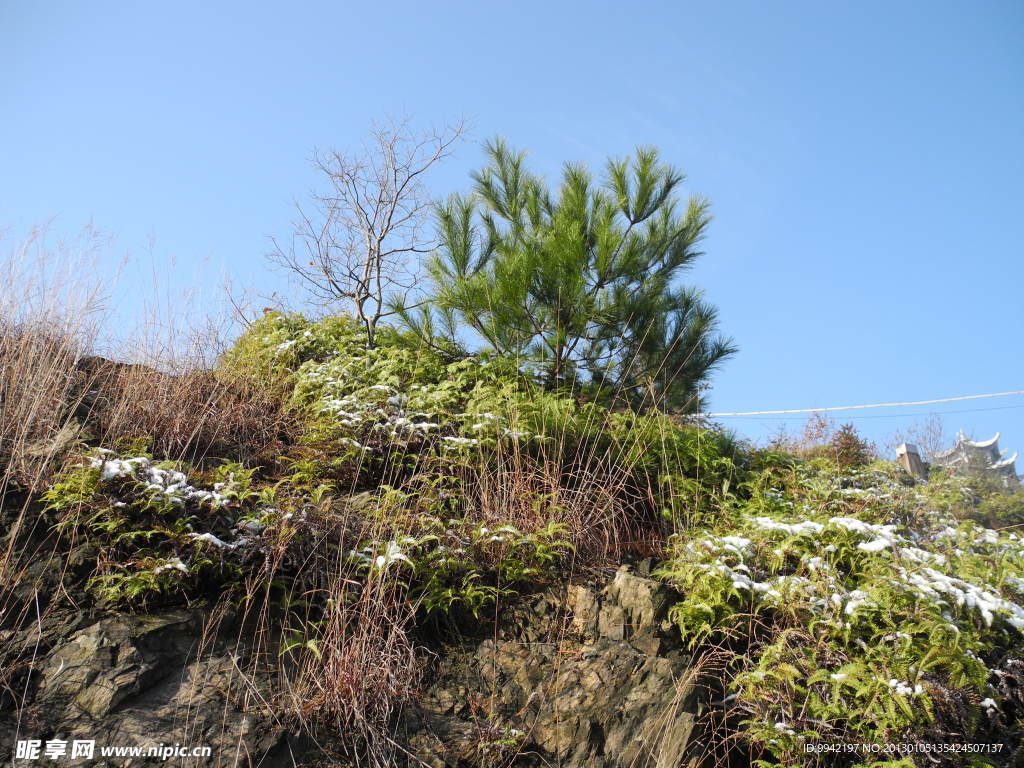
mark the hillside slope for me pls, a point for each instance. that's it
(416, 557)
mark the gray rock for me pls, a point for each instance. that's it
(581, 676)
(140, 680)
(576, 677)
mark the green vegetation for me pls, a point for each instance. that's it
(855, 607)
(145, 519)
(395, 405)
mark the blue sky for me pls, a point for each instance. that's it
(863, 159)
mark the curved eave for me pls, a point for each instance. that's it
(1005, 462)
(962, 441)
(983, 443)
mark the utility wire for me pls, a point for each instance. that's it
(860, 407)
(902, 415)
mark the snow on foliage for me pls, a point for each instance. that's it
(859, 574)
(169, 484)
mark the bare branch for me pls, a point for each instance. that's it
(361, 240)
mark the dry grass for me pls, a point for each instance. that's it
(48, 321)
(189, 415)
(56, 389)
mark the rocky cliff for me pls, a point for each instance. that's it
(586, 674)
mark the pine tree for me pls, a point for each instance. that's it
(849, 449)
(580, 283)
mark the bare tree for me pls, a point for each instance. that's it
(929, 434)
(360, 241)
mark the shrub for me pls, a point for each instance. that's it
(155, 533)
(393, 411)
(841, 591)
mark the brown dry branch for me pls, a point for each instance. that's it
(359, 242)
